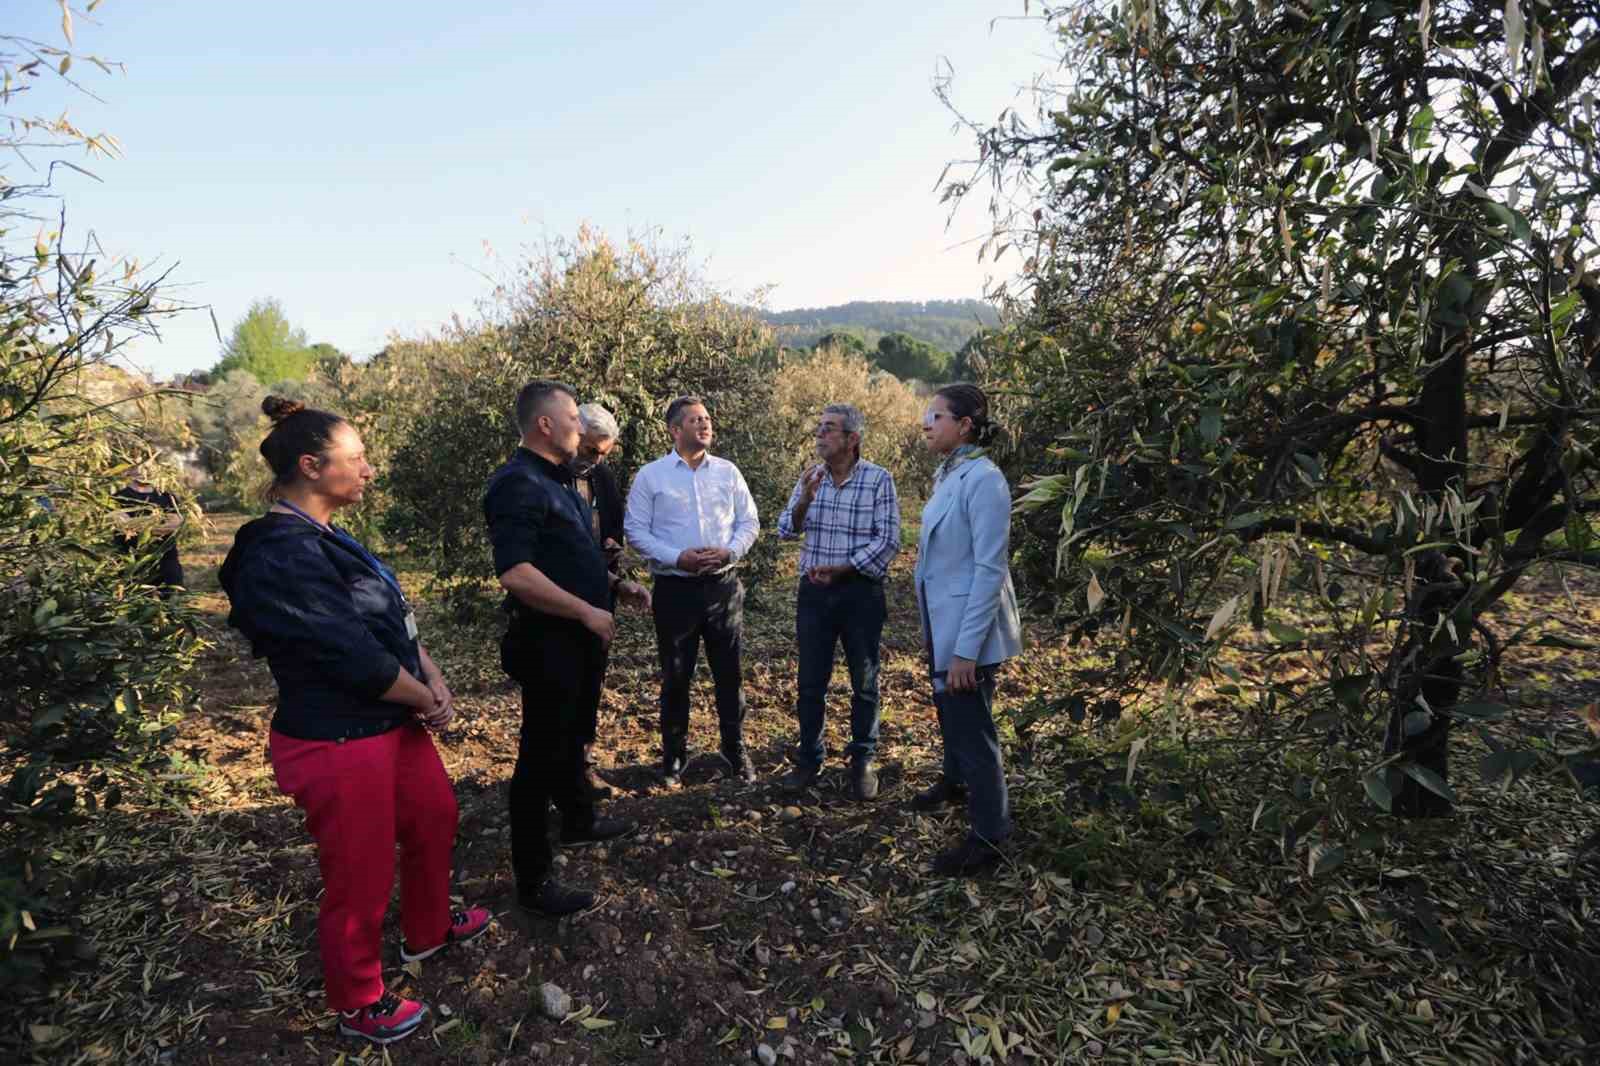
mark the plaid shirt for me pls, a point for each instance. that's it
(857, 523)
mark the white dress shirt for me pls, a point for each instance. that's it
(673, 507)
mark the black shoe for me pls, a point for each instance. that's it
(554, 899)
(966, 858)
(739, 766)
(601, 830)
(863, 780)
(942, 792)
(800, 778)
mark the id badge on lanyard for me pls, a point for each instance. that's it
(384, 573)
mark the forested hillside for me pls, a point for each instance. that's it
(945, 324)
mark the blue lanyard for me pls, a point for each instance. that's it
(360, 549)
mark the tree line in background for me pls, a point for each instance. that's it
(628, 324)
(945, 324)
(645, 343)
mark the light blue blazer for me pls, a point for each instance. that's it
(963, 575)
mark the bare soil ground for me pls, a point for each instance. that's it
(1168, 930)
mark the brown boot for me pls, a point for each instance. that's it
(598, 789)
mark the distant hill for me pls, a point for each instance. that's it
(942, 323)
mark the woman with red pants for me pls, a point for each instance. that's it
(357, 695)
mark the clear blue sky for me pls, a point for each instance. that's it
(353, 159)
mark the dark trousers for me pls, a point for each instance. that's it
(560, 677)
(849, 612)
(589, 728)
(169, 571)
(687, 610)
(972, 756)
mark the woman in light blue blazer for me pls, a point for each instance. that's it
(969, 619)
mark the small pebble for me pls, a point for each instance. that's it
(554, 1001)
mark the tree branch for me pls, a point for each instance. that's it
(1318, 530)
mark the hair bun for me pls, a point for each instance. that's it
(278, 408)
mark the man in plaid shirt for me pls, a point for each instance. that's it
(846, 509)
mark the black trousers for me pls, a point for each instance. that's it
(561, 674)
(687, 611)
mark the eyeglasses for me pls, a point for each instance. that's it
(826, 430)
(930, 417)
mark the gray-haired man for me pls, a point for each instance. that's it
(846, 509)
(596, 482)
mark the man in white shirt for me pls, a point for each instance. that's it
(691, 515)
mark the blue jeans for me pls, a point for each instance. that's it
(849, 612)
(972, 756)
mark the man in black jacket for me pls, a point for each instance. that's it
(559, 595)
(596, 482)
(148, 509)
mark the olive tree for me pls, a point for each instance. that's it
(629, 325)
(92, 659)
(1307, 290)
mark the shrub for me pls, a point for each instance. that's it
(91, 661)
(807, 382)
(629, 326)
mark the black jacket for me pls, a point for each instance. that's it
(536, 516)
(332, 630)
(609, 505)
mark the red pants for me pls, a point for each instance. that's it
(361, 797)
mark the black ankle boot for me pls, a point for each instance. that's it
(942, 792)
(554, 899)
(863, 780)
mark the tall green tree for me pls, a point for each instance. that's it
(1310, 285)
(842, 341)
(266, 345)
(912, 360)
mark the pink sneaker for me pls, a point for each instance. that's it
(383, 1022)
(464, 926)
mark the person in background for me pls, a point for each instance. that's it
(146, 508)
(559, 594)
(596, 482)
(357, 695)
(691, 515)
(969, 619)
(846, 509)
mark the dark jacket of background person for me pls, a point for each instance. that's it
(168, 570)
(332, 630)
(609, 506)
